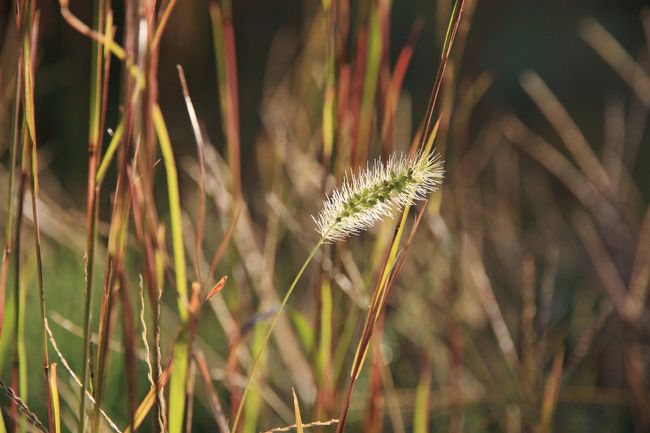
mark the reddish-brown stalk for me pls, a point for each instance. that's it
(378, 308)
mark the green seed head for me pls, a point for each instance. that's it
(377, 192)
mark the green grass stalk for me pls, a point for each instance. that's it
(181, 347)
(254, 401)
(19, 371)
(258, 356)
(10, 193)
(91, 198)
(3, 429)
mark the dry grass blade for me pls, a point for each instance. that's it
(54, 391)
(296, 409)
(586, 340)
(75, 378)
(215, 405)
(613, 53)
(148, 401)
(145, 340)
(605, 268)
(29, 47)
(164, 19)
(571, 135)
(515, 131)
(528, 332)
(200, 145)
(395, 85)
(551, 393)
(309, 425)
(217, 287)
(23, 408)
(638, 283)
(491, 305)
(224, 242)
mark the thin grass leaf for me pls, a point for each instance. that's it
(200, 145)
(551, 393)
(181, 347)
(75, 378)
(296, 409)
(325, 337)
(224, 242)
(395, 86)
(23, 409)
(258, 356)
(3, 429)
(104, 40)
(29, 87)
(148, 401)
(15, 125)
(30, 164)
(253, 404)
(217, 287)
(162, 23)
(54, 392)
(224, 45)
(19, 375)
(110, 153)
(20, 379)
(311, 424)
(421, 405)
(215, 405)
(96, 120)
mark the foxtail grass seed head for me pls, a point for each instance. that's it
(377, 192)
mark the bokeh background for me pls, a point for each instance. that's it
(522, 303)
(506, 39)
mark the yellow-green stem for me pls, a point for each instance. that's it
(93, 139)
(181, 347)
(258, 356)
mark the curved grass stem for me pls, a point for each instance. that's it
(258, 356)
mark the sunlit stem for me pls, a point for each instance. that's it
(258, 356)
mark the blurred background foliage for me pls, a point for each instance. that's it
(506, 38)
(506, 316)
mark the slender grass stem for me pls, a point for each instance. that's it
(258, 356)
(10, 193)
(181, 347)
(91, 206)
